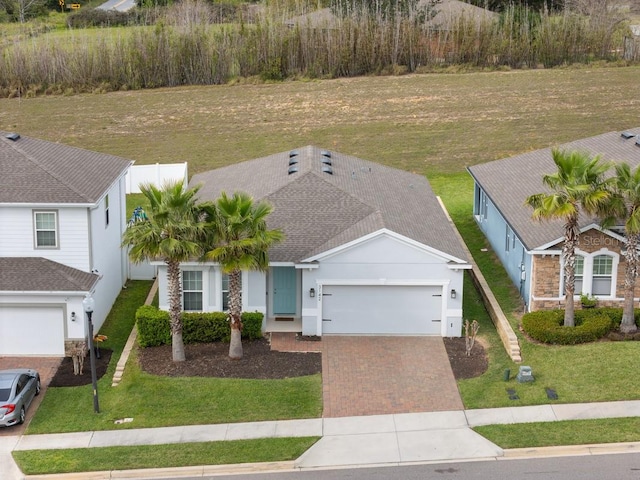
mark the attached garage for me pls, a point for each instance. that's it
(31, 330)
(382, 309)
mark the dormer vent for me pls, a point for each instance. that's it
(293, 153)
(13, 136)
(326, 161)
(325, 153)
(627, 135)
(327, 169)
(293, 169)
(293, 161)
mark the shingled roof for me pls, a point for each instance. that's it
(37, 274)
(510, 181)
(40, 172)
(319, 211)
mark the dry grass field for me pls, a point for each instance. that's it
(433, 124)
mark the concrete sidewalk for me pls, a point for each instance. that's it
(347, 441)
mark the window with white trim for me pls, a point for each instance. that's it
(579, 274)
(225, 292)
(46, 229)
(192, 290)
(602, 275)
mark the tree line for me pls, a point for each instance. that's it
(183, 47)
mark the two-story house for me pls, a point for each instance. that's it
(62, 214)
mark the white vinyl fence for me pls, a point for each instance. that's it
(156, 174)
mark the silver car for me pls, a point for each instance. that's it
(18, 388)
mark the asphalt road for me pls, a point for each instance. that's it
(119, 5)
(592, 467)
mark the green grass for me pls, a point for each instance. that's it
(35, 462)
(574, 432)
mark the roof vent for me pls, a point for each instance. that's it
(293, 161)
(326, 161)
(327, 169)
(13, 136)
(293, 153)
(627, 135)
(638, 142)
(293, 169)
(326, 153)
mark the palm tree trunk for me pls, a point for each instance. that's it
(628, 324)
(569, 254)
(235, 314)
(175, 310)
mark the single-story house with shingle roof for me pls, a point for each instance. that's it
(62, 214)
(530, 250)
(368, 249)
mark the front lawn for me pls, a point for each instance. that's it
(155, 401)
(592, 372)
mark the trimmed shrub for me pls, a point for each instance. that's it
(197, 327)
(153, 326)
(252, 325)
(547, 326)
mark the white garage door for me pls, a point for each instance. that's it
(31, 331)
(381, 309)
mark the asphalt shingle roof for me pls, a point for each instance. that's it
(508, 182)
(40, 172)
(318, 211)
(37, 274)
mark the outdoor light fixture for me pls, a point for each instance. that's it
(88, 304)
(312, 292)
(73, 316)
(453, 293)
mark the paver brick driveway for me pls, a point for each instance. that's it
(384, 375)
(46, 367)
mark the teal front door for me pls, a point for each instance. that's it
(284, 290)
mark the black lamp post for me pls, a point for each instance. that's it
(88, 304)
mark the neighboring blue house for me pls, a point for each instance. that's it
(529, 250)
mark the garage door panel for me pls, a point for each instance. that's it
(31, 331)
(381, 309)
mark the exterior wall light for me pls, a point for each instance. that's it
(453, 293)
(312, 292)
(73, 316)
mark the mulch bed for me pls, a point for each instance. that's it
(259, 362)
(464, 366)
(64, 376)
(212, 360)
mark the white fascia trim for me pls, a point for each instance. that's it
(460, 267)
(282, 264)
(49, 205)
(390, 233)
(591, 226)
(307, 266)
(47, 293)
(543, 253)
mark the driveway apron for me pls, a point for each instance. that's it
(46, 367)
(385, 375)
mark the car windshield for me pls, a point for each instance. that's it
(4, 394)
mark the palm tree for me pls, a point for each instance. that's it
(241, 243)
(173, 232)
(624, 204)
(577, 185)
